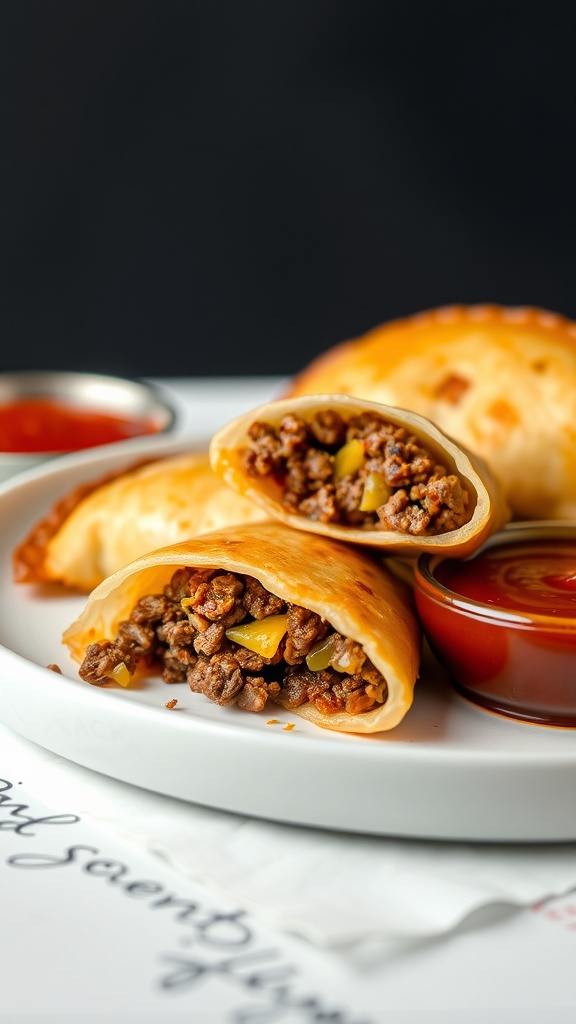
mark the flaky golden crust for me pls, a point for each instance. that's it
(141, 509)
(354, 593)
(488, 510)
(29, 557)
(500, 381)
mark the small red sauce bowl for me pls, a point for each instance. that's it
(503, 622)
(48, 413)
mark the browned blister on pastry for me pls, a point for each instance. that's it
(97, 528)
(500, 381)
(255, 615)
(361, 472)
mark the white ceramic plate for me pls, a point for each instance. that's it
(449, 771)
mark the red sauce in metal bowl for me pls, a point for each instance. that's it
(47, 425)
(503, 624)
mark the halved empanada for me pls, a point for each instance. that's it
(361, 472)
(500, 381)
(260, 613)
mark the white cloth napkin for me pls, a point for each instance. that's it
(335, 889)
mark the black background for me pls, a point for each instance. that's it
(231, 187)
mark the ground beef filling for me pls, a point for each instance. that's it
(184, 630)
(418, 495)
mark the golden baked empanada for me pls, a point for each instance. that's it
(96, 529)
(260, 613)
(361, 472)
(500, 381)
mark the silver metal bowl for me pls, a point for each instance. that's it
(102, 393)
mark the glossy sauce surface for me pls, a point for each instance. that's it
(515, 651)
(46, 425)
(538, 577)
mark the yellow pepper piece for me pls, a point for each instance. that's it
(121, 674)
(320, 655)
(261, 636)
(348, 459)
(376, 492)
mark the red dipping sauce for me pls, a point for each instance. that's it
(48, 425)
(538, 577)
(503, 623)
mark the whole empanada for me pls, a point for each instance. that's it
(97, 528)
